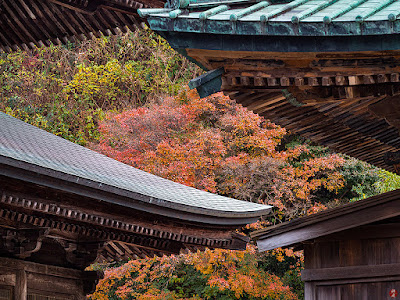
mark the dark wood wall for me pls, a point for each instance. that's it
(363, 263)
(21, 280)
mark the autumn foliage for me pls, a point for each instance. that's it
(120, 95)
(67, 89)
(218, 274)
(217, 145)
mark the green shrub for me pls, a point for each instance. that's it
(66, 90)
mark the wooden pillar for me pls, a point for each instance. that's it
(21, 286)
(309, 291)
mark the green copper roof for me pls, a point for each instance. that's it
(295, 18)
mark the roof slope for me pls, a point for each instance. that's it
(29, 148)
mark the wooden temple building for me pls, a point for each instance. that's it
(351, 252)
(328, 70)
(63, 207)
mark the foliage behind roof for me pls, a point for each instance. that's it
(28, 148)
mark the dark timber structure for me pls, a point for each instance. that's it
(28, 23)
(328, 70)
(63, 207)
(351, 252)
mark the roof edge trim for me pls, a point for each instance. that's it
(85, 187)
(373, 209)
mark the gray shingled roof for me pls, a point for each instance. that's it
(30, 148)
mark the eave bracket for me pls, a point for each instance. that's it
(208, 83)
(393, 159)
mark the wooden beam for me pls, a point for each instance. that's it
(356, 272)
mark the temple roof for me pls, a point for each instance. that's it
(29, 23)
(285, 18)
(25, 147)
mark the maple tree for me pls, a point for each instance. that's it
(217, 145)
(187, 139)
(217, 274)
(79, 91)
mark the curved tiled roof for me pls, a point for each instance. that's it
(299, 17)
(28, 148)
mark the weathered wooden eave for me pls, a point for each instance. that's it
(41, 215)
(60, 164)
(138, 202)
(62, 197)
(326, 223)
(26, 24)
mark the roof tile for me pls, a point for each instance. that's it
(25, 143)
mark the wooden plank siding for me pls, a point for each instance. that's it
(29, 279)
(350, 252)
(336, 223)
(355, 269)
